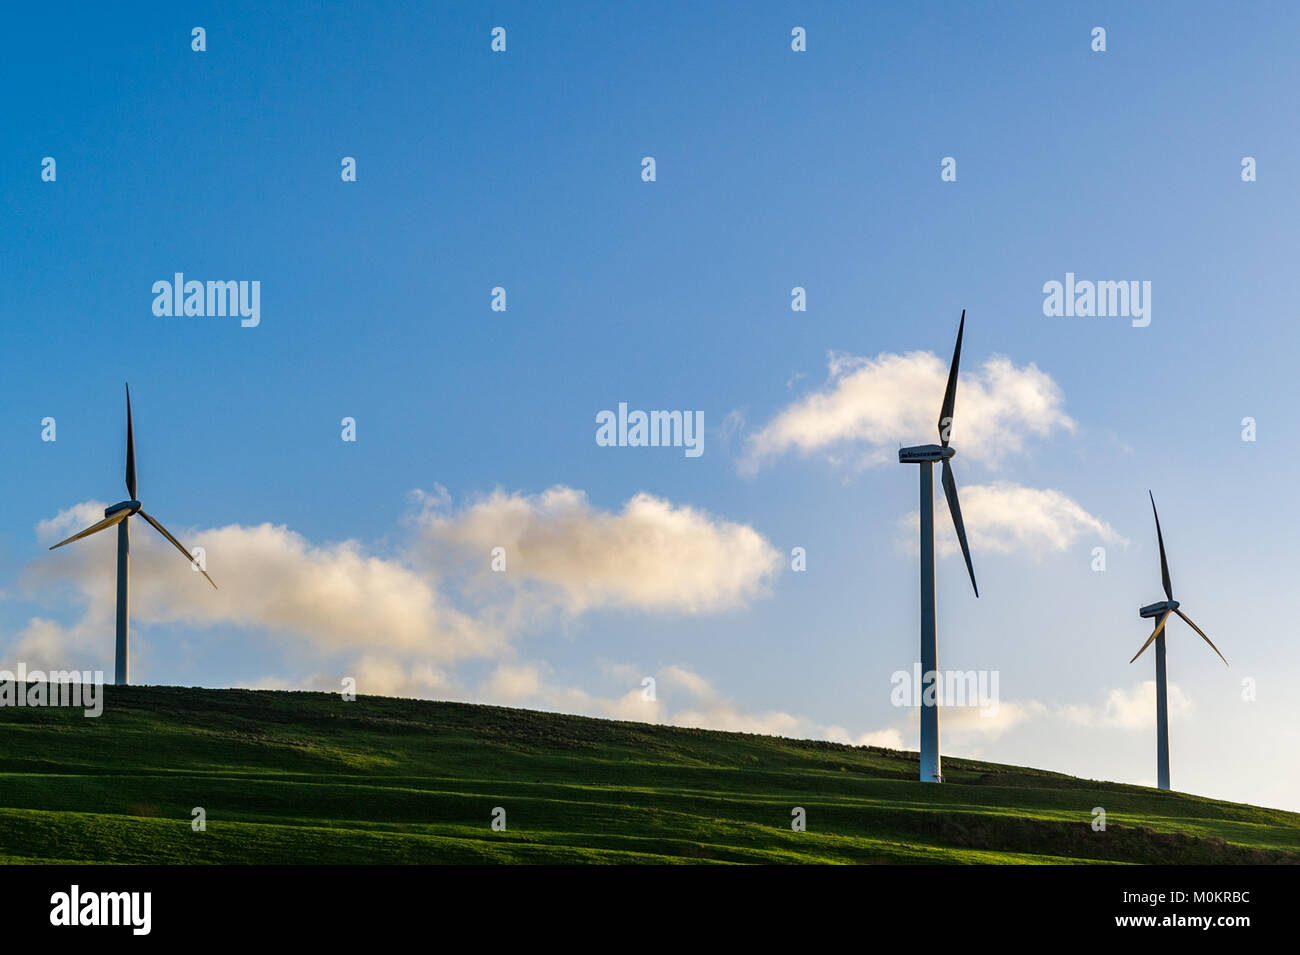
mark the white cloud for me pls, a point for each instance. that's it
(1131, 709)
(394, 621)
(48, 645)
(512, 683)
(689, 682)
(682, 698)
(384, 676)
(733, 719)
(1007, 517)
(651, 555)
(961, 723)
(891, 738)
(963, 726)
(335, 596)
(966, 728)
(869, 406)
(375, 675)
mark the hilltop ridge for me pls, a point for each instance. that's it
(287, 776)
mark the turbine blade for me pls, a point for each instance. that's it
(130, 448)
(1164, 564)
(188, 556)
(1202, 633)
(1160, 626)
(954, 508)
(950, 394)
(95, 528)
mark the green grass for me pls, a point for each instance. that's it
(309, 778)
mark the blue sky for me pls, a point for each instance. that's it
(775, 169)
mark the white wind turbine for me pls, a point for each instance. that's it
(1163, 609)
(120, 515)
(925, 455)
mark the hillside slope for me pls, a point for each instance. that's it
(309, 778)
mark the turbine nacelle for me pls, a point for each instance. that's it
(924, 452)
(1158, 609)
(132, 507)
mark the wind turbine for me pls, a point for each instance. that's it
(1163, 609)
(925, 455)
(120, 514)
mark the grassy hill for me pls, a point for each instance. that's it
(309, 778)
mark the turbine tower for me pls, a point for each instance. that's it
(925, 455)
(1163, 609)
(120, 514)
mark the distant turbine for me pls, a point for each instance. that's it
(120, 514)
(1162, 610)
(925, 455)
